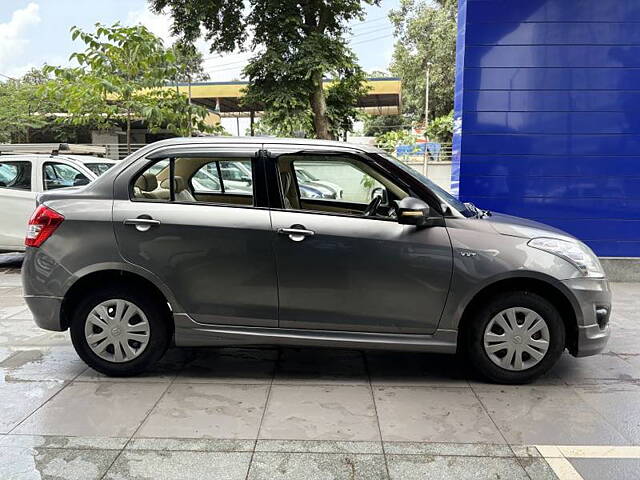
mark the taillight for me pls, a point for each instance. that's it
(42, 224)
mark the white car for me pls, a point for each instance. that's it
(97, 165)
(22, 177)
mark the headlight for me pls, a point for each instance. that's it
(577, 253)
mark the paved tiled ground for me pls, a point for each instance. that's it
(311, 413)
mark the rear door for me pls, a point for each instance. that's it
(209, 244)
(18, 197)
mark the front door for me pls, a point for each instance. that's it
(341, 267)
(206, 240)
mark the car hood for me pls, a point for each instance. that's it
(524, 228)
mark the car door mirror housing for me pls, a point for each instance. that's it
(413, 211)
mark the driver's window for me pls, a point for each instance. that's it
(336, 184)
(59, 175)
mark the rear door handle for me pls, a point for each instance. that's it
(296, 234)
(142, 224)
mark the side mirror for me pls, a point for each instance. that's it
(413, 211)
(382, 193)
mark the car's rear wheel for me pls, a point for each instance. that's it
(120, 333)
(515, 338)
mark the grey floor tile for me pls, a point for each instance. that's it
(59, 441)
(321, 366)
(618, 404)
(230, 365)
(315, 466)
(11, 279)
(624, 340)
(20, 399)
(207, 410)
(94, 409)
(427, 467)
(162, 465)
(428, 414)
(415, 369)
(546, 415)
(61, 464)
(448, 449)
(192, 444)
(314, 412)
(598, 369)
(5, 352)
(44, 363)
(24, 333)
(537, 468)
(607, 468)
(318, 446)
(163, 371)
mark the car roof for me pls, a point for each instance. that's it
(186, 141)
(89, 159)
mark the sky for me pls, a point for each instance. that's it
(35, 32)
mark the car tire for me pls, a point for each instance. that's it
(488, 344)
(137, 341)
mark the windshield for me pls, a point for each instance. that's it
(441, 193)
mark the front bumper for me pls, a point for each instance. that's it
(591, 298)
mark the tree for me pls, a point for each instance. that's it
(299, 43)
(375, 125)
(122, 76)
(425, 32)
(440, 129)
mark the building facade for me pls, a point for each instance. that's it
(548, 115)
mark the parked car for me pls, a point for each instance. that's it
(22, 177)
(139, 257)
(97, 165)
(306, 178)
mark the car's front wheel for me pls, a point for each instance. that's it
(120, 333)
(515, 338)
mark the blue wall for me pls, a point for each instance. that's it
(548, 115)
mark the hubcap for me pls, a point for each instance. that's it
(117, 330)
(516, 339)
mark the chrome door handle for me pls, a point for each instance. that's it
(142, 224)
(296, 234)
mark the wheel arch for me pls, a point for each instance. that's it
(110, 276)
(552, 291)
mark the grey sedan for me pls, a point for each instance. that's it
(145, 256)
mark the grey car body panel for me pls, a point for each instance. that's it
(217, 260)
(449, 265)
(193, 334)
(361, 274)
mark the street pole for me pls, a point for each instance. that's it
(426, 114)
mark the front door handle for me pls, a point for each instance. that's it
(142, 223)
(297, 233)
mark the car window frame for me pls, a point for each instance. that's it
(31, 183)
(53, 162)
(331, 153)
(156, 157)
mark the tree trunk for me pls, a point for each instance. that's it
(128, 132)
(319, 108)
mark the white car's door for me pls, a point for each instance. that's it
(17, 201)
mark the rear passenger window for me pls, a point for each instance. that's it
(16, 175)
(197, 180)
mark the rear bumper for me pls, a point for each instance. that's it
(46, 311)
(592, 297)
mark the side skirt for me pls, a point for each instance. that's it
(189, 333)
